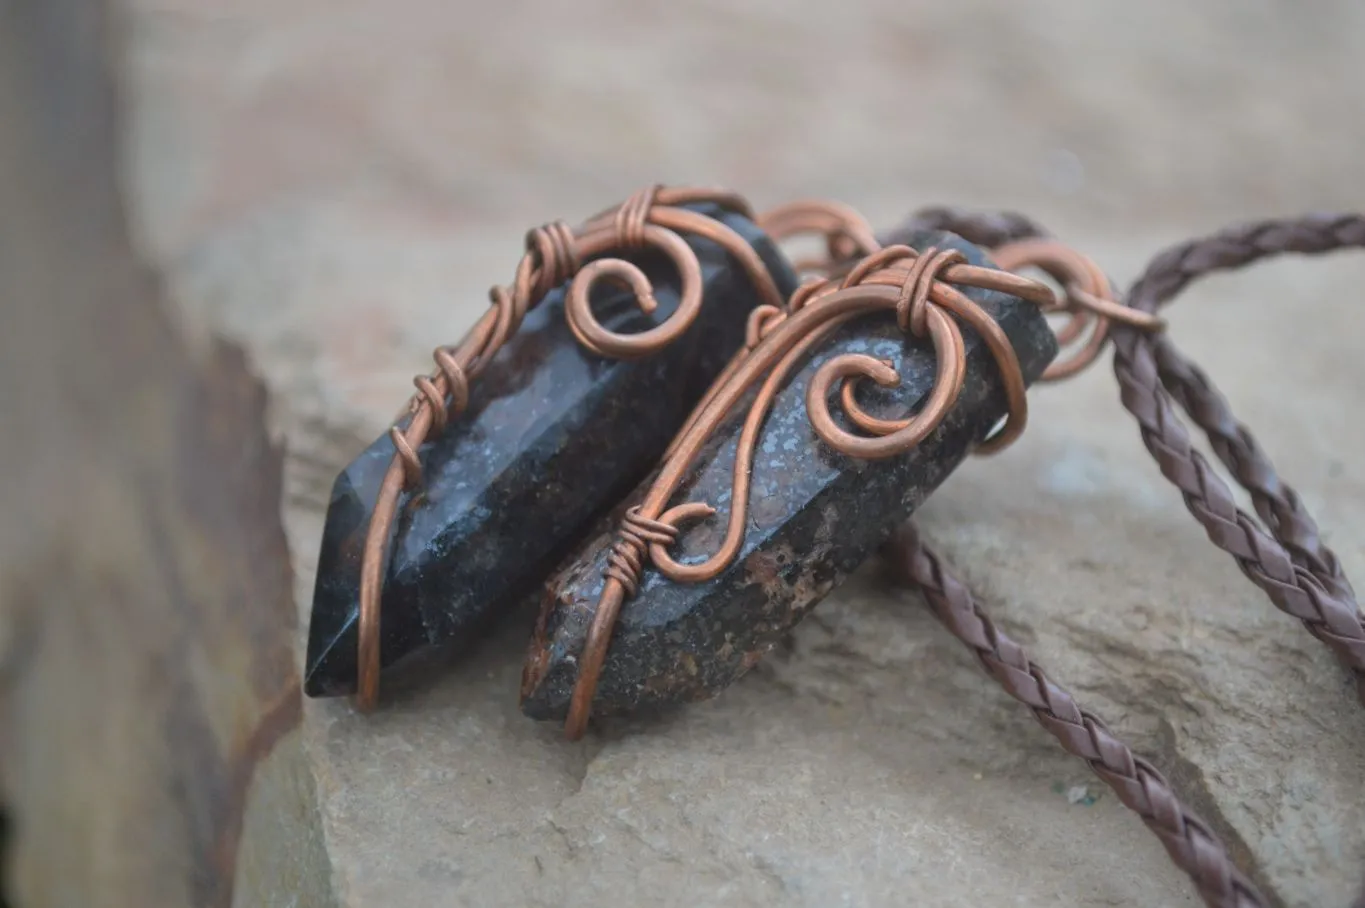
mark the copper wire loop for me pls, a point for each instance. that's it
(1087, 300)
(555, 253)
(847, 234)
(918, 289)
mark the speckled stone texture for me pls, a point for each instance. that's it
(552, 437)
(335, 184)
(814, 515)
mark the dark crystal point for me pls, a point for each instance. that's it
(814, 516)
(552, 437)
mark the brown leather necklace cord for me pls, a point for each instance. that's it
(1189, 841)
(1299, 573)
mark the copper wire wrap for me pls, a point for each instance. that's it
(555, 253)
(1017, 243)
(918, 290)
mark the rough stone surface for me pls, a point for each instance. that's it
(336, 183)
(553, 435)
(813, 516)
(149, 692)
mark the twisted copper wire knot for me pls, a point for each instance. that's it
(633, 216)
(555, 253)
(636, 536)
(918, 289)
(433, 398)
(912, 308)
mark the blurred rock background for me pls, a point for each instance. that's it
(335, 184)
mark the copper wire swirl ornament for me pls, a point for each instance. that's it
(555, 253)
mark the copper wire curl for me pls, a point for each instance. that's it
(847, 235)
(555, 253)
(1088, 300)
(918, 288)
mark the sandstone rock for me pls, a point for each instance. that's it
(322, 183)
(150, 751)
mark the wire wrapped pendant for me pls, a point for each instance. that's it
(560, 398)
(806, 448)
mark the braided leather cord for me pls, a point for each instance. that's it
(1189, 841)
(1276, 503)
(983, 228)
(1291, 563)
(1301, 575)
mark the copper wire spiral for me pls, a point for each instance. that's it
(555, 253)
(918, 289)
